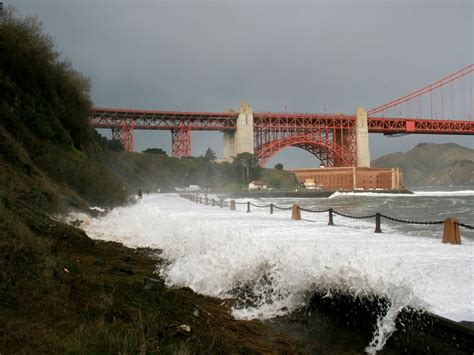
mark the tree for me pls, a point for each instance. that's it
(115, 145)
(158, 151)
(247, 163)
(279, 166)
(210, 155)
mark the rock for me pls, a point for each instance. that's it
(197, 313)
(125, 269)
(184, 329)
(152, 284)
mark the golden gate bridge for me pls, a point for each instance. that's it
(443, 107)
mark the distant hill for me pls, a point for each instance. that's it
(433, 165)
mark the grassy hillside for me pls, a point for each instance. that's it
(44, 105)
(433, 165)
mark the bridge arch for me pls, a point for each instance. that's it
(328, 153)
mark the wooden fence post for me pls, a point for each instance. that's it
(452, 233)
(296, 212)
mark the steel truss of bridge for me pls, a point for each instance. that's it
(113, 118)
(330, 137)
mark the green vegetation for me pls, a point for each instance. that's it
(158, 151)
(433, 165)
(115, 146)
(156, 171)
(279, 179)
(60, 291)
(38, 88)
(210, 155)
(44, 105)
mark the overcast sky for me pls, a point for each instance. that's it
(307, 56)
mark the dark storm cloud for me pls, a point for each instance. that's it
(302, 55)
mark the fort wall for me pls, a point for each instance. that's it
(351, 178)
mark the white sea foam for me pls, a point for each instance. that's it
(444, 193)
(213, 251)
(414, 194)
(97, 209)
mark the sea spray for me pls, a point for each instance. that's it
(386, 326)
(213, 251)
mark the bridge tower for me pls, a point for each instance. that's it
(362, 136)
(240, 140)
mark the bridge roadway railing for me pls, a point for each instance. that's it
(451, 234)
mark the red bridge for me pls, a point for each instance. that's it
(444, 107)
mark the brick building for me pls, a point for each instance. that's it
(351, 178)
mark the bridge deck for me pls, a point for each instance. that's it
(221, 121)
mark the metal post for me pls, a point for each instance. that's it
(232, 205)
(271, 208)
(330, 223)
(248, 207)
(221, 203)
(377, 223)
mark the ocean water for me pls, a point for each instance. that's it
(423, 205)
(273, 265)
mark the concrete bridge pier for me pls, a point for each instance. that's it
(240, 140)
(362, 133)
(229, 145)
